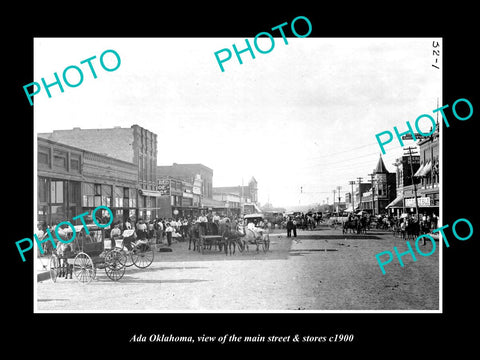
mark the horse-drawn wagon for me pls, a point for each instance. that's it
(227, 237)
(91, 250)
(253, 234)
(85, 254)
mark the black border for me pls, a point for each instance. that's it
(396, 332)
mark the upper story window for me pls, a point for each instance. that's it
(60, 159)
(43, 156)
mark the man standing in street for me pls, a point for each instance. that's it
(289, 227)
(168, 231)
(202, 220)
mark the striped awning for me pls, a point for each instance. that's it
(419, 171)
(426, 170)
(397, 203)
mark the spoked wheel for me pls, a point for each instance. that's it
(115, 264)
(143, 255)
(83, 268)
(53, 266)
(128, 257)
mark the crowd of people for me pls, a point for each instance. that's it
(165, 230)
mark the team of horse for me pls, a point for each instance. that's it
(239, 237)
(356, 225)
(406, 229)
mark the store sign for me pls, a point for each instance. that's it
(164, 186)
(422, 201)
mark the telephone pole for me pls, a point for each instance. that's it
(360, 192)
(353, 196)
(334, 199)
(413, 182)
(373, 192)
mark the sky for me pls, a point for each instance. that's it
(304, 115)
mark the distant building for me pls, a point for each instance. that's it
(248, 194)
(381, 192)
(231, 202)
(196, 174)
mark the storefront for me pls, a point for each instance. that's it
(57, 199)
(148, 204)
(72, 181)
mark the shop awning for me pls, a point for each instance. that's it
(419, 171)
(206, 202)
(398, 202)
(426, 170)
(150, 193)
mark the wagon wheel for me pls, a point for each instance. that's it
(128, 257)
(53, 266)
(83, 268)
(142, 255)
(115, 264)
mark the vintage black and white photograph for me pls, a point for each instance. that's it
(275, 174)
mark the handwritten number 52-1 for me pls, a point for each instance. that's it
(436, 53)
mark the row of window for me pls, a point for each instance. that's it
(87, 194)
(60, 159)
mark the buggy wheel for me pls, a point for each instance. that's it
(83, 268)
(128, 257)
(143, 255)
(53, 266)
(115, 264)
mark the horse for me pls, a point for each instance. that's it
(412, 230)
(362, 226)
(193, 235)
(253, 236)
(350, 224)
(231, 237)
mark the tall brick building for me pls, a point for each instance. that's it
(135, 145)
(71, 181)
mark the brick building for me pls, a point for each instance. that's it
(428, 192)
(195, 174)
(247, 193)
(404, 179)
(382, 190)
(134, 145)
(71, 181)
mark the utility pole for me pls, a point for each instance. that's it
(373, 192)
(360, 192)
(353, 196)
(333, 199)
(413, 182)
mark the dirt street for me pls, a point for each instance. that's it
(319, 270)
